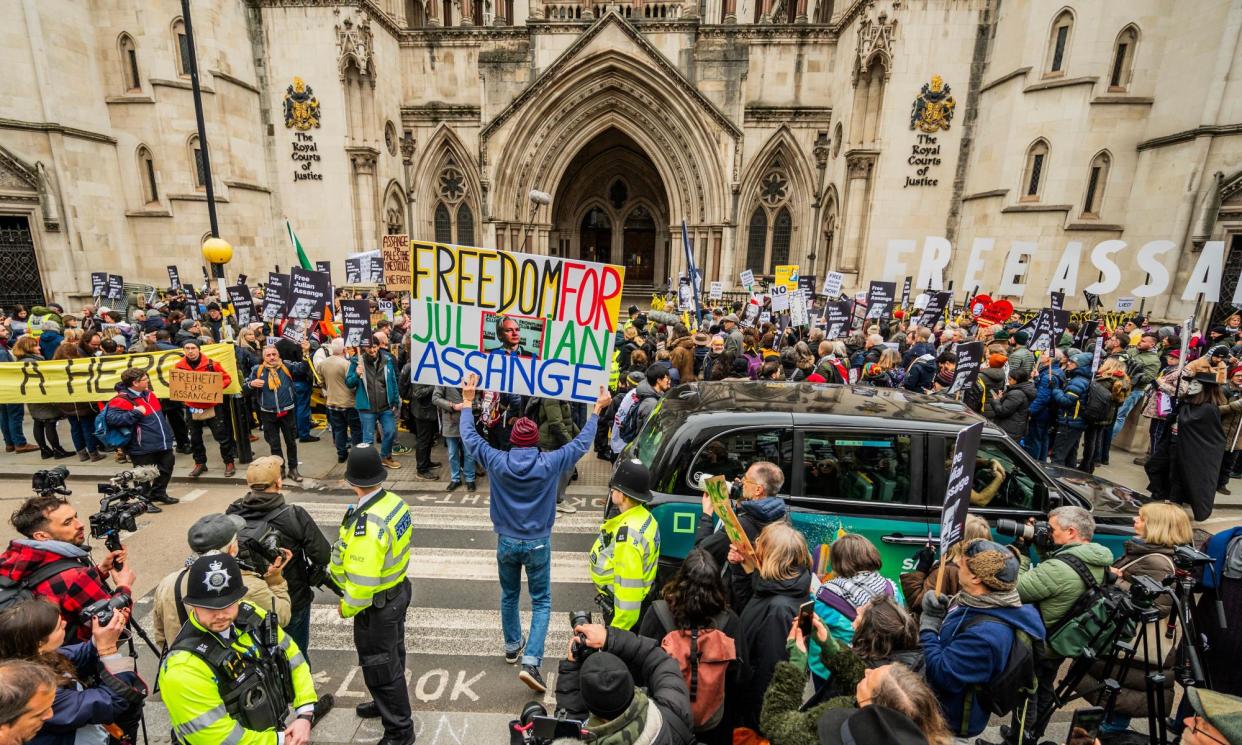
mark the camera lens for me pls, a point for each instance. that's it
(1015, 529)
(531, 710)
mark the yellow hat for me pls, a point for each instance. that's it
(263, 472)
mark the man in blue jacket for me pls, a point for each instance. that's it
(1070, 399)
(152, 444)
(967, 639)
(1043, 411)
(524, 483)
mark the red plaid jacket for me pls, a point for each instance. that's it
(71, 590)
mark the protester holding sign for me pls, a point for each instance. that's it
(273, 380)
(205, 414)
(136, 408)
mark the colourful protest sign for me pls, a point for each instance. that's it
(525, 324)
(396, 252)
(787, 275)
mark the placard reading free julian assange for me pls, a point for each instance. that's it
(525, 324)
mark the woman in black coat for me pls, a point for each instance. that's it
(1193, 448)
(782, 584)
(1011, 408)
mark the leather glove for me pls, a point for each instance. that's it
(924, 559)
(935, 605)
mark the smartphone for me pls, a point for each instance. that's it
(1085, 726)
(805, 613)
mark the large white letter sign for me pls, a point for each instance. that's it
(1065, 278)
(974, 264)
(1101, 257)
(1148, 260)
(1015, 269)
(1207, 273)
(894, 269)
(936, 254)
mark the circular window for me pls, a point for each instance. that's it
(390, 138)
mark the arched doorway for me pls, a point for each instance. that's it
(611, 206)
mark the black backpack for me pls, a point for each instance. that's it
(1015, 686)
(258, 529)
(13, 592)
(1097, 406)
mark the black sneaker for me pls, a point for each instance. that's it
(471, 486)
(165, 499)
(531, 677)
(322, 707)
(452, 485)
(515, 655)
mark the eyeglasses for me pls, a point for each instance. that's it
(1207, 735)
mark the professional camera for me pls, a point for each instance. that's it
(579, 618)
(534, 727)
(735, 491)
(257, 554)
(1039, 533)
(124, 500)
(51, 481)
(1188, 558)
(104, 609)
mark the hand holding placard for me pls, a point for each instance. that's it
(718, 492)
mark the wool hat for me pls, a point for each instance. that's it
(213, 532)
(1220, 350)
(1001, 335)
(188, 324)
(215, 582)
(997, 360)
(1021, 337)
(635, 377)
(525, 433)
(364, 467)
(1222, 711)
(701, 339)
(1083, 359)
(1235, 370)
(606, 685)
(263, 472)
(731, 318)
(741, 367)
(1219, 330)
(994, 565)
(870, 724)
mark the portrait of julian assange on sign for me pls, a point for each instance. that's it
(531, 325)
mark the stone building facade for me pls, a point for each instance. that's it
(809, 132)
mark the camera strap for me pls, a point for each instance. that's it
(182, 616)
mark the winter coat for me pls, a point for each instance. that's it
(682, 358)
(647, 400)
(205, 364)
(1166, 384)
(1231, 418)
(557, 425)
(356, 379)
(914, 585)
(783, 720)
(1043, 409)
(1156, 562)
(957, 662)
(113, 697)
(668, 719)
(1012, 411)
(920, 374)
(281, 399)
(1143, 368)
(1198, 448)
(299, 533)
(49, 340)
(765, 626)
(916, 350)
(753, 515)
(1069, 398)
(152, 433)
(1054, 585)
(1021, 359)
(846, 593)
(445, 398)
(71, 590)
(991, 379)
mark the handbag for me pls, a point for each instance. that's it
(202, 415)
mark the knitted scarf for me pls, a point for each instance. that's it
(273, 380)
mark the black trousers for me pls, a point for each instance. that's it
(379, 635)
(221, 429)
(274, 428)
(163, 460)
(174, 411)
(424, 436)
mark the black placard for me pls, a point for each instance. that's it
(1058, 301)
(905, 291)
(880, 299)
(937, 301)
(356, 323)
(241, 279)
(969, 357)
(957, 491)
(243, 303)
(174, 277)
(1086, 334)
(353, 271)
(838, 314)
(324, 266)
(99, 283)
(275, 296)
(308, 293)
(116, 288)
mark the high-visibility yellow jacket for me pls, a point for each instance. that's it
(624, 561)
(372, 551)
(192, 695)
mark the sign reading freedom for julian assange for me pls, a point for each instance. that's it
(525, 324)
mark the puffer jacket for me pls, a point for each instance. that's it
(556, 424)
(299, 533)
(152, 433)
(838, 598)
(283, 398)
(920, 374)
(1021, 359)
(765, 626)
(1069, 398)
(1054, 585)
(1012, 411)
(1043, 409)
(356, 379)
(659, 714)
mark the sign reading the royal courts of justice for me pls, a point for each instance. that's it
(301, 115)
(932, 112)
(526, 324)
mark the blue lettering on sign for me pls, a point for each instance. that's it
(402, 525)
(499, 371)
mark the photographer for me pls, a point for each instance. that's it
(296, 532)
(98, 693)
(1055, 583)
(152, 443)
(27, 690)
(53, 561)
(598, 682)
(217, 534)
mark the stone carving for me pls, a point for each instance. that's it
(301, 106)
(353, 44)
(875, 38)
(933, 107)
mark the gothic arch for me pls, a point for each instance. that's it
(444, 150)
(779, 155)
(394, 212)
(830, 229)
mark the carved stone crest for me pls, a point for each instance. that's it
(933, 108)
(301, 106)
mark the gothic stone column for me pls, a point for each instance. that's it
(366, 224)
(859, 168)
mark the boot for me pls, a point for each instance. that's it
(27, 448)
(96, 457)
(198, 470)
(83, 456)
(229, 470)
(294, 475)
(61, 454)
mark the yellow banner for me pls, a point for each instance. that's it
(787, 274)
(95, 378)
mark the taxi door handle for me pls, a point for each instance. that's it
(905, 540)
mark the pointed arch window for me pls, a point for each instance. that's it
(414, 17)
(1097, 179)
(129, 64)
(198, 167)
(823, 11)
(1058, 44)
(146, 175)
(465, 225)
(756, 241)
(1033, 174)
(182, 45)
(1123, 59)
(782, 232)
(444, 224)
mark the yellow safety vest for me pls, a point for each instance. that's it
(372, 551)
(614, 376)
(624, 560)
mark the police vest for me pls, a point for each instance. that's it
(614, 375)
(624, 561)
(372, 551)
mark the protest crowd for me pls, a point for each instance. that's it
(745, 642)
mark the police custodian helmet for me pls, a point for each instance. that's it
(632, 479)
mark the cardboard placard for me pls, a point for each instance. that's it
(717, 290)
(833, 283)
(718, 492)
(780, 298)
(396, 253)
(748, 279)
(200, 387)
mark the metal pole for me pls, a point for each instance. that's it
(192, 62)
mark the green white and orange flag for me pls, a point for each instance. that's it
(326, 326)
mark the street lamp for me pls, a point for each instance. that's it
(208, 185)
(217, 252)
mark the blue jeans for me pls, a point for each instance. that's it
(458, 460)
(82, 430)
(1123, 412)
(11, 416)
(302, 407)
(388, 427)
(346, 429)
(511, 555)
(298, 629)
(1036, 440)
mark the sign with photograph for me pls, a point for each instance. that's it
(309, 294)
(356, 323)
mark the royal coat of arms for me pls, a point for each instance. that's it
(933, 108)
(301, 106)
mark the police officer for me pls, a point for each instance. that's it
(627, 552)
(231, 675)
(368, 563)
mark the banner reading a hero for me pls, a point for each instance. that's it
(525, 324)
(95, 378)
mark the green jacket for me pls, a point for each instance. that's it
(1054, 585)
(781, 721)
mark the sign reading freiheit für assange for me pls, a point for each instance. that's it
(525, 324)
